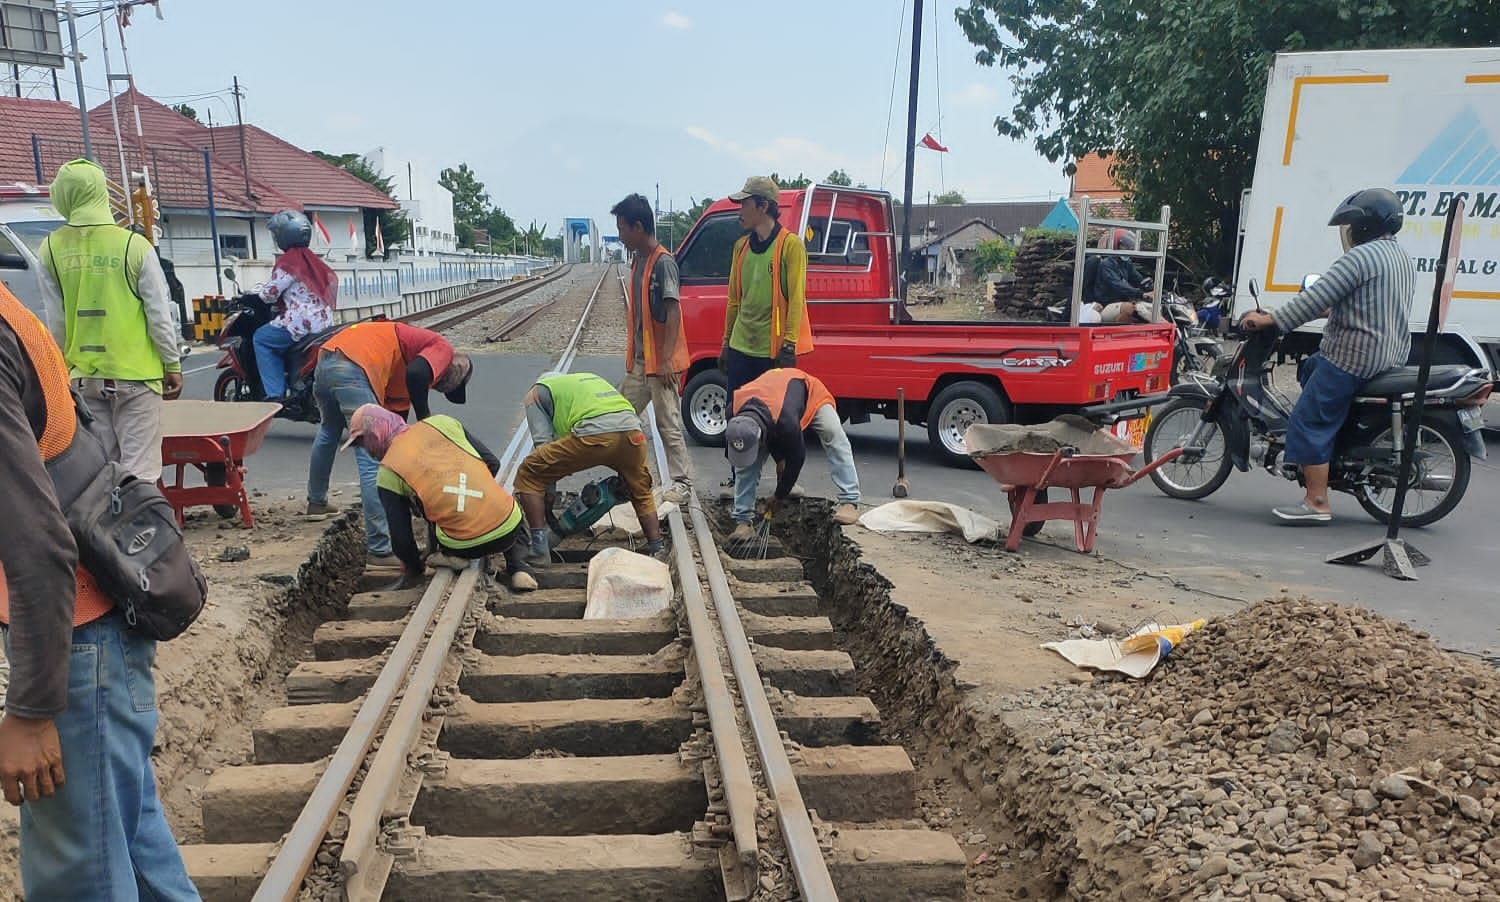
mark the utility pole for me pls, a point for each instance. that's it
(83, 106)
(135, 102)
(911, 140)
(239, 119)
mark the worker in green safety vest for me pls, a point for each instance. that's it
(579, 421)
(108, 306)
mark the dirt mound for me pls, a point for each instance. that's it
(1067, 431)
(1297, 748)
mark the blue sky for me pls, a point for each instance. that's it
(563, 108)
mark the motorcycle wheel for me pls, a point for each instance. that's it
(230, 386)
(1440, 476)
(1171, 426)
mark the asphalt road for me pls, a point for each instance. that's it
(1227, 545)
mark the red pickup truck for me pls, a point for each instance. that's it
(866, 346)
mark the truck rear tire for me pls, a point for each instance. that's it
(954, 410)
(705, 408)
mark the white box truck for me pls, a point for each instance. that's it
(1424, 123)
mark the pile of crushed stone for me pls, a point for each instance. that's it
(1296, 750)
(1067, 431)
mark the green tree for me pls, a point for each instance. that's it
(791, 184)
(471, 202)
(501, 228)
(1173, 89)
(394, 226)
(992, 255)
(183, 109)
(949, 197)
(839, 177)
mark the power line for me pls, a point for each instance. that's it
(891, 109)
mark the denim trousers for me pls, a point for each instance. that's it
(340, 387)
(840, 464)
(103, 835)
(271, 343)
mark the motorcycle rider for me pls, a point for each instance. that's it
(1366, 295)
(305, 287)
(1112, 286)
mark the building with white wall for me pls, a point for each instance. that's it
(427, 204)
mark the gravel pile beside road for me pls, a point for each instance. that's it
(1295, 750)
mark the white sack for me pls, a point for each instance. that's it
(624, 585)
(930, 516)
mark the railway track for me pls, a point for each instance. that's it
(446, 316)
(459, 741)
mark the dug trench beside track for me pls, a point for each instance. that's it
(535, 754)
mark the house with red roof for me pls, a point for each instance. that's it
(215, 187)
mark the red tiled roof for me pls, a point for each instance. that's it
(1092, 177)
(282, 175)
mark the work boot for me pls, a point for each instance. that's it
(320, 509)
(452, 562)
(743, 532)
(521, 581)
(678, 493)
(385, 561)
(845, 514)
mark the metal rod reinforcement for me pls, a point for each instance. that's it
(384, 775)
(739, 786)
(808, 866)
(284, 878)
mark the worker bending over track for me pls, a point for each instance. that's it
(447, 474)
(378, 362)
(770, 414)
(578, 421)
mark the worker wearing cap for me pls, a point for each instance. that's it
(439, 469)
(376, 362)
(770, 414)
(578, 421)
(765, 321)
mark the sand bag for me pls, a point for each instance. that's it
(624, 585)
(931, 516)
(1067, 431)
(1136, 655)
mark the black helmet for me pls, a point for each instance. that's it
(290, 229)
(1367, 215)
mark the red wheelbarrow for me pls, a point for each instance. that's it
(1027, 475)
(214, 438)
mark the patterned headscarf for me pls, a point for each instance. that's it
(374, 428)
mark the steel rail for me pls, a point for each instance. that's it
(806, 858)
(734, 768)
(384, 775)
(284, 878)
(481, 303)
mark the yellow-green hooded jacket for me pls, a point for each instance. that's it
(107, 301)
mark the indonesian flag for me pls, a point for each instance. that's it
(322, 230)
(929, 142)
(379, 239)
(353, 236)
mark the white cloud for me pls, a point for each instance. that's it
(783, 154)
(976, 93)
(675, 19)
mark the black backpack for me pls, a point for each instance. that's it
(127, 536)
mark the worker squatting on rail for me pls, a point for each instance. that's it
(770, 414)
(447, 474)
(386, 363)
(579, 421)
(80, 712)
(656, 351)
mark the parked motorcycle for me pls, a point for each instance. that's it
(1194, 349)
(240, 379)
(1239, 418)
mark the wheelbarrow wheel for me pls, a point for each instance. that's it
(1032, 530)
(218, 475)
(1189, 479)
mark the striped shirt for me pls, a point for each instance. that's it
(1369, 291)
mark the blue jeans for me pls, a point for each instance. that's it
(1320, 411)
(103, 836)
(271, 343)
(340, 387)
(840, 464)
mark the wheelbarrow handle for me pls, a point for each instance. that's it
(1150, 468)
(1057, 458)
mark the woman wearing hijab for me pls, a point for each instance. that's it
(438, 470)
(304, 286)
